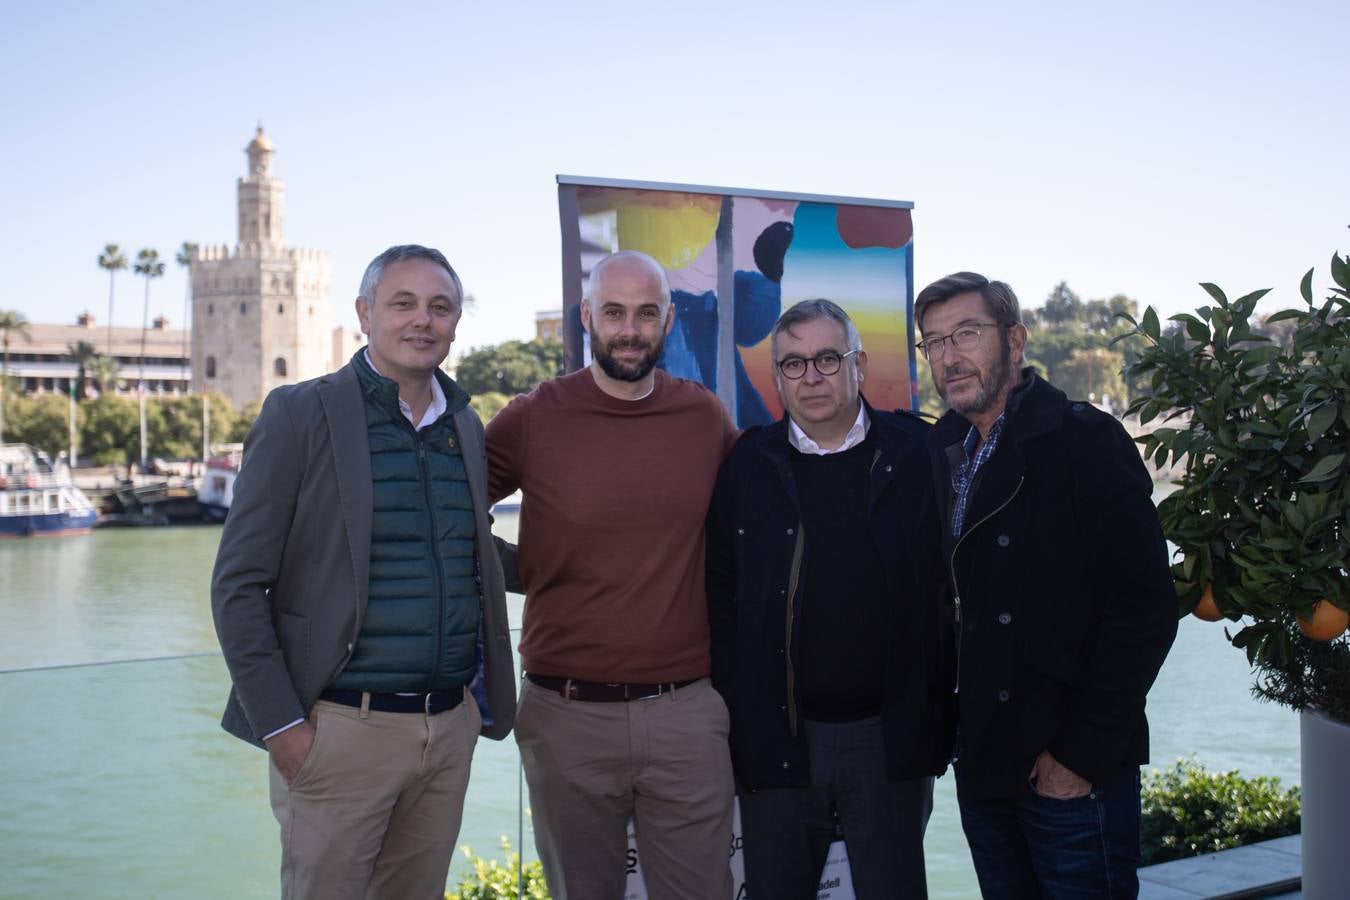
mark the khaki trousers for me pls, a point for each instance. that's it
(663, 761)
(375, 809)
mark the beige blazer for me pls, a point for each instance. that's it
(290, 584)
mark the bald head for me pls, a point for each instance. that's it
(627, 266)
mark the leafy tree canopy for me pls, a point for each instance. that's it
(514, 367)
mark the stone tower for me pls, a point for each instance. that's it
(260, 309)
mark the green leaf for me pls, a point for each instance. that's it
(1247, 302)
(1195, 329)
(1325, 468)
(1214, 291)
(1340, 271)
(1285, 313)
(1149, 324)
(1320, 420)
(1305, 288)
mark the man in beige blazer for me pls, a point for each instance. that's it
(359, 599)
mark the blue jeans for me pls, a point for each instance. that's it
(1037, 847)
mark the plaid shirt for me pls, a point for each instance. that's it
(963, 479)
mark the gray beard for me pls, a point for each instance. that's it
(991, 392)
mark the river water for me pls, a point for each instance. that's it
(118, 782)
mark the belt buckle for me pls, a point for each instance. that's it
(660, 689)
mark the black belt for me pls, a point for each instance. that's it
(603, 692)
(429, 703)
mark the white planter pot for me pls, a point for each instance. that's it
(1325, 751)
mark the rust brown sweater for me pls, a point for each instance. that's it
(611, 525)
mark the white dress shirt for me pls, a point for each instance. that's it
(433, 412)
(854, 437)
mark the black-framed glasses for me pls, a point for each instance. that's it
(827, 363)
(967, 337)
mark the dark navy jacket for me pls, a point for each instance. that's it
(756, 548)
(1064, 599)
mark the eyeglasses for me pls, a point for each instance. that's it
(826, 363)
(967, 337)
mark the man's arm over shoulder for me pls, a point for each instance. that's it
(247, 565)
(1118, 527)
(506, 435)
(505, 438)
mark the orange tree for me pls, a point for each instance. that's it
(1261, 515)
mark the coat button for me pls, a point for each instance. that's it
(1003, 696)
(785, 765)
(740, 531)
(1078, 407)
(890, 468)
(350, 646)
(789, 531)
(1003, 540)
(1005, 618)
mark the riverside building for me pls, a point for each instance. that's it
(42, 360)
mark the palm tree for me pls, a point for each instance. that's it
(148, 264)
(11, 322)
(113, 259)
(184, 258)
(104, 370)
(83, 353)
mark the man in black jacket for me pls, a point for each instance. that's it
(1063, 605)
(824, 587)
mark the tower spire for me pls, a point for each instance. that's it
(260, 195)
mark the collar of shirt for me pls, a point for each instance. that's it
(434, 411)
(987, 448)
(854, 437)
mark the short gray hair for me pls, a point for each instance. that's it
(375, 271)
(809, 311)
(636, 256)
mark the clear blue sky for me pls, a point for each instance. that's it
(1135, 150)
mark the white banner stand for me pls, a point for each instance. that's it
(836, 881)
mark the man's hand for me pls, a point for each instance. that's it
(1050, 778)
(290, 749)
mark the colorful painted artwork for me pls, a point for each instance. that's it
(736, 260)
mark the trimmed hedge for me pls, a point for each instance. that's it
(1188, 811)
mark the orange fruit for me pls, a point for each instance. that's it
(1207, 609)
(1327, 621)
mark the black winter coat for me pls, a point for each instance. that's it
(1063, 597)
(756, 548)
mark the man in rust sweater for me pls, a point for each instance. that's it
(617, 717)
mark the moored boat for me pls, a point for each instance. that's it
(215, 493)
(37, 497)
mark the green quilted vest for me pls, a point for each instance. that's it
(421, 625)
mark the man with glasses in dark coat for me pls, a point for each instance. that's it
(1063, 605)
(824, 590)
